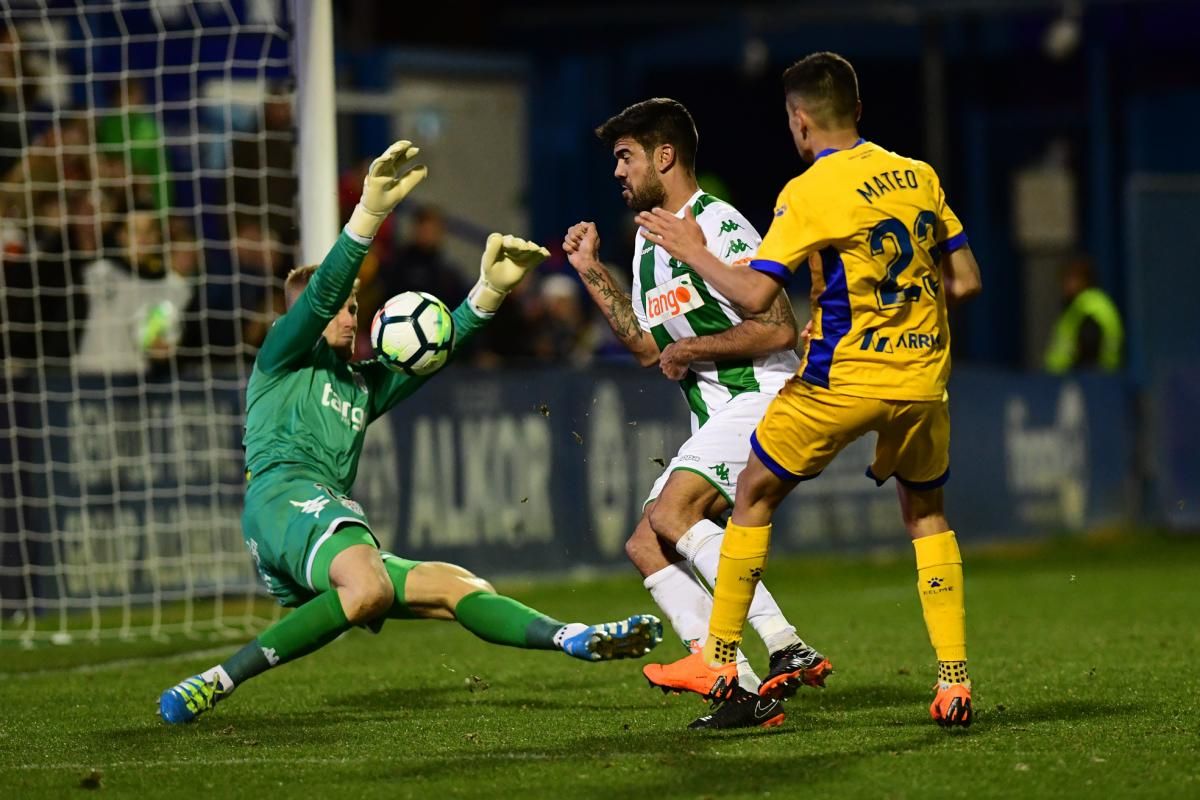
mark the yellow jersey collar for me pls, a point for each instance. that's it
(829, 150)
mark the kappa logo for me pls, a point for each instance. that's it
(721, 471)
(269, 655)
(735, 247)
(729, 226)
(314, 506)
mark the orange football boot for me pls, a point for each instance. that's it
(693, 674)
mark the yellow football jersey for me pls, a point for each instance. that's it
(872, 226)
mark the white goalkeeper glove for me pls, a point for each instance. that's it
(389, 180)
(506, 260)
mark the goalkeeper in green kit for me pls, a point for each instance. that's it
(307, 409)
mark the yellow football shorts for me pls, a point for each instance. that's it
(806, 426)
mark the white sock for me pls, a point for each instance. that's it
(688, 605)
(701, 546)
(219, 676)
(566, 632)
(683, 599)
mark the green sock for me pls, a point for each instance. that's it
(502, 620)
(310, 627)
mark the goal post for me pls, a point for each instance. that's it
(316, 112)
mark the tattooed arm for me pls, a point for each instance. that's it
(582, 245)
(756, 336)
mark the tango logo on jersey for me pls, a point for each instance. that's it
(674, 298)
(907, 340)
(352, 416)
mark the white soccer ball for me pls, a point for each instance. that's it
(413, 333)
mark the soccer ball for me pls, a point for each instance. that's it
(413, 333)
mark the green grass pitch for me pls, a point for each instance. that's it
(1085, 658)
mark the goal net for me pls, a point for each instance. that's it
(147, 197)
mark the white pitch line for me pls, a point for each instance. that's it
(85, 669)
(233, 762)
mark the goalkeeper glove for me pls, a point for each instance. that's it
(387, 183)
(506, 260)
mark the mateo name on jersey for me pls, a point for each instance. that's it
(676, 296)
(351, 415)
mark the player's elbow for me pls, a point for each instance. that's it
(965, 287)
(760, 294)
(646, 358)
(788, 337)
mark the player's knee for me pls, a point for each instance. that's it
(367, 599)
(451, 583)
(665, 520)
(642, 541)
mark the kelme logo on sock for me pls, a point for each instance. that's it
(935, 582)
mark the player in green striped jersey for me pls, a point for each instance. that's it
(307, 409)
(729, 366)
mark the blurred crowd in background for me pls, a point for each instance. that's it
(105, 270)
(130, 247)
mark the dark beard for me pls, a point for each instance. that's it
(652, 195)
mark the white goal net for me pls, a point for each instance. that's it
(147, 197)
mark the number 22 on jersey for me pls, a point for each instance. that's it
(891, 292)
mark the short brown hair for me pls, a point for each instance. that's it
(659, 120)
(298, 278)
(827, 84)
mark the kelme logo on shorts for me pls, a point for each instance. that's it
(672, 299)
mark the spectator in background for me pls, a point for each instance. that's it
(420, 263)
(133, 133)
(135, 302)
(15, 96)
(1089, 333)
(244, 281)
(562, 334)
(264, 177)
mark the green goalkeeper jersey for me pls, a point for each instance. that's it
(308, 409)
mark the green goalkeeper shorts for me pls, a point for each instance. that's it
(294, 527)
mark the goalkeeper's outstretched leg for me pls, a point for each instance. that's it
(366, 587)
(306, 405)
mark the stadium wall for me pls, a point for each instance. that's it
(532, 472)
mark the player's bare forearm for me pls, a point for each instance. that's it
(960, 276)
(755, 337)
(749, 289)
(617, 307)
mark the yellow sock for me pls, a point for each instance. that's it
(940, 585)
(743, 560)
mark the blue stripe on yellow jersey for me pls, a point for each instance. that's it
(872, 227)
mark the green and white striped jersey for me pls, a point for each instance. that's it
(671, 301)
